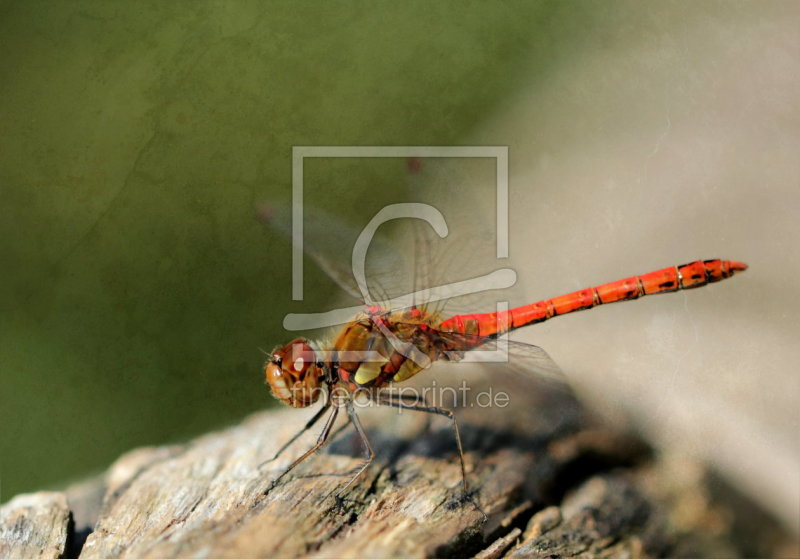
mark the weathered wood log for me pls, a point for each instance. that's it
(547, 482)
(35, 525)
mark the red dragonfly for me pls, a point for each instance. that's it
(301, 372)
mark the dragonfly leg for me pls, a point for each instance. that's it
(410, 399)
(369, 454)
(323, 436)
(423, 407)
(311, 422)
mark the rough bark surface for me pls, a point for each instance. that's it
(546, 483)
(34, 525)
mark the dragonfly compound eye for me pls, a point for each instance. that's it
(293, 375)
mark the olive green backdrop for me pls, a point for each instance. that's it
(137, 138)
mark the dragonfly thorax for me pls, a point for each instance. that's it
(293, 374)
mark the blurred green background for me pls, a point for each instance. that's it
(137, 139)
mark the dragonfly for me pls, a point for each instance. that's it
(403, 342)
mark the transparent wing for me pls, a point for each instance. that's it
(407, 255)
(469, 250)
(328, 241)
(527, 360)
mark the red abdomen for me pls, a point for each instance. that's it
(674, 278)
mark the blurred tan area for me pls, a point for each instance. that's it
(671, 134)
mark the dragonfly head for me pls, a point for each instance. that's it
(293, 375)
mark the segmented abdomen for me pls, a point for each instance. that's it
(674, 278)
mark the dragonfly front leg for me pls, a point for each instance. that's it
(323, 436)
(311, 422)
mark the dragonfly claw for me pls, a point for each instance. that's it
(468, 497)
(339, 506)
(270, 487)
(338, 503)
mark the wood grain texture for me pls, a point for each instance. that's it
(547, 483)
(34, 525)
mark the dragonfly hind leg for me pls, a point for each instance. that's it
(415, 405)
